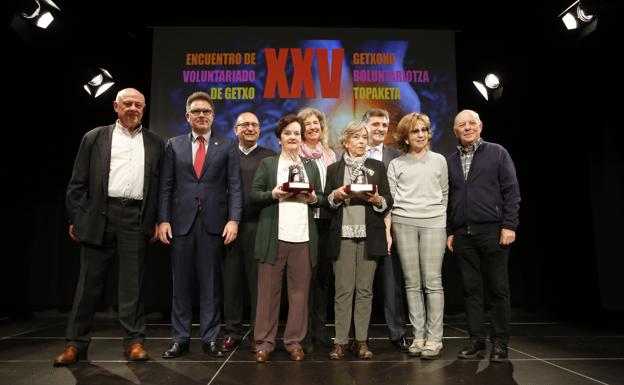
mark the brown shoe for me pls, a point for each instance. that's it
(136, 352)
(70, 355)
(297, 354)
(228, 344)
(338, 353)
(361, 350)
(262, 356)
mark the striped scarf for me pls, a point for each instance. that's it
(357, 166)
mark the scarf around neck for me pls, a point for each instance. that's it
(316, 153)
(356, 165)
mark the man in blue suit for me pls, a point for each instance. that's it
(200, 207)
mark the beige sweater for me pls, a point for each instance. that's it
(420, 189)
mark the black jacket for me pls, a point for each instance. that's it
(376, 244)
(87, 191)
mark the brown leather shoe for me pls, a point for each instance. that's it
(361, 350)
(297, 354)
(70, 355)
(262, 356)
(228, 344)
(338, 353)
(136, 352)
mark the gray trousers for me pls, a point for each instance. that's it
(421, 250)
(354, 271)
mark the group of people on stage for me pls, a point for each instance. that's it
(232, 225)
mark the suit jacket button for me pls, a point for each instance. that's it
(103, 213)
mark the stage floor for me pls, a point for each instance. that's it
(548, 353)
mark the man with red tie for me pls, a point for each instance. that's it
(200, 207)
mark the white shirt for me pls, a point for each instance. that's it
(195, 143)
(293, 215)
(127, 164)
(375, 152)
(247, 151)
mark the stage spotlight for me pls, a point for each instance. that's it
(581, 17)
(101, 81)
(32, 18)
(40, 13)
(492, 89)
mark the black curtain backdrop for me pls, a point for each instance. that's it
(559, 118)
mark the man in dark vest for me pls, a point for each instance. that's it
(239, 260)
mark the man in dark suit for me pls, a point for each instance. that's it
(112, 206)
(239, 258)
(377, 121)
(200, 207)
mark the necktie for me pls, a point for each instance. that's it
(200, 155)
(371, 152)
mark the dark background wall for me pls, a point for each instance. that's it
(560, 118)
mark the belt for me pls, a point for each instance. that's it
(125, 201)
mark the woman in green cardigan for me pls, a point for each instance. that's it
(286, 240)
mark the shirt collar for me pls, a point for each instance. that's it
(125, 131)
(247, 151)
(378, 147)
(470, 149)
(206, 136)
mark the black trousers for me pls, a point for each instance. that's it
(393, 284)
(321, 283)
(123, 238)
(239, 262)
(479, 256)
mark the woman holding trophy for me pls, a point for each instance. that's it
(359, 198)
(288, 188)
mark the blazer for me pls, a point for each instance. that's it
(388, 154)
(87, 191)
(216, 197)
(376, 243)
(261, 195)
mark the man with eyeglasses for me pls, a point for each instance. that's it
(239, 258)
(389, 269)
(482, 217)
(200, 208)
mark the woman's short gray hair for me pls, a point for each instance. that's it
(349, 130)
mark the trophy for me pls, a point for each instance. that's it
(359, 183)
(296, 181)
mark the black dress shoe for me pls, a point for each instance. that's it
(402, 344)
(499, 352)
(473, 349)
(176, 350)
(213, 349)
(307, 344)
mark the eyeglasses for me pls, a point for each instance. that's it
(248, 124)
(417, 130)
(197, 111)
